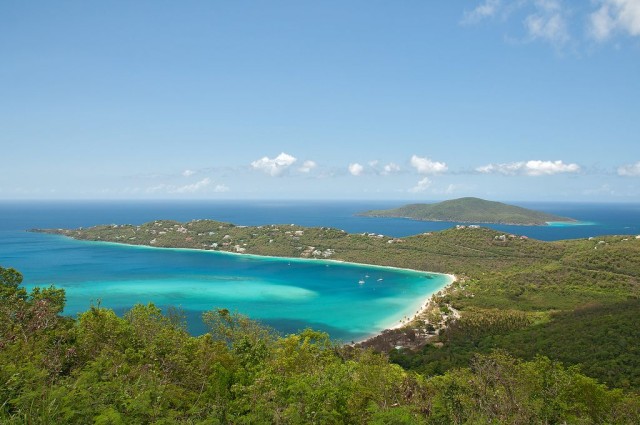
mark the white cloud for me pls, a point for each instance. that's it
(548, 23)
(356, 169)
(192, 188)
(276, 166)
(427, 166)
(485, 10)
(188, 188)
(615, 16)
(550, 20)
(539, 168)
(390, 168)
(198, 186)
(307, 166)
(629, 170)
(530, 168)
(188, 173)
(508, 169)
(421, 186)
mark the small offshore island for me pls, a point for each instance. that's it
(471, 210)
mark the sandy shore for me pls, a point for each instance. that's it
(395, 325)
(424, 305)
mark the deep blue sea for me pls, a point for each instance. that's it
(286, 294)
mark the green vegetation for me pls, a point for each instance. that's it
(574, 301)
(469, 210)
(602, 339)
(144, 368)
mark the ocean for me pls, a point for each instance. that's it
(349, 302)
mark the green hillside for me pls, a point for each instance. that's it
(144, 368)
(469, 210)
(510, 288)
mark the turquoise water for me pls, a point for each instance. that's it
(288, 294)
(570, 223)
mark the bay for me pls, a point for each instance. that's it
(288, 294)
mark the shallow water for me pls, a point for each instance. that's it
(287, 294)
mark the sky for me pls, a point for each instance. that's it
(526, 100)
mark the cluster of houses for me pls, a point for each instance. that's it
(504, 238)
(312, 251)
(373, 235)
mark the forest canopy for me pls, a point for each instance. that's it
(144, 367)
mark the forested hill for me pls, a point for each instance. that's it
(469, 210)
(576, 300)
(144, 368)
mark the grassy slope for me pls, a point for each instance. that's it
(469, 210)
(549, 283)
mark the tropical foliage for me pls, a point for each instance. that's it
(145, 368)
(575, 301)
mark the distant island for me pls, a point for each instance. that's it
(470, 210)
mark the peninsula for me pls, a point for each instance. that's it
(470, 210)
(512, 292)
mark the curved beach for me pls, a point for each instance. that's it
(381, 312)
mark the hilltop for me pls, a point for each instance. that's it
(470, 210)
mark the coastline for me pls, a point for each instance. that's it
(433, 220)
(263, 257)
(421, 310)
(405, 320)
(385, 325)
(423, 307)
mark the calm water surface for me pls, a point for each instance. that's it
(287, 294)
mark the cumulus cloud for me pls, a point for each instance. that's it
(307, 166)
(629, 170)
(486, 9)
(188, 173)
(421, 186)
(274, 166)
(508, 169)
(547, 23)
(615, 16)
(390, 168)
(427, 166)
(356, 169)
(530, 168)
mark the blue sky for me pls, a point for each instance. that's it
(507, 100)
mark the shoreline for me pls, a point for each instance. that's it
(395, 324)
(423, 307)
(454, 222)
(257, 256)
